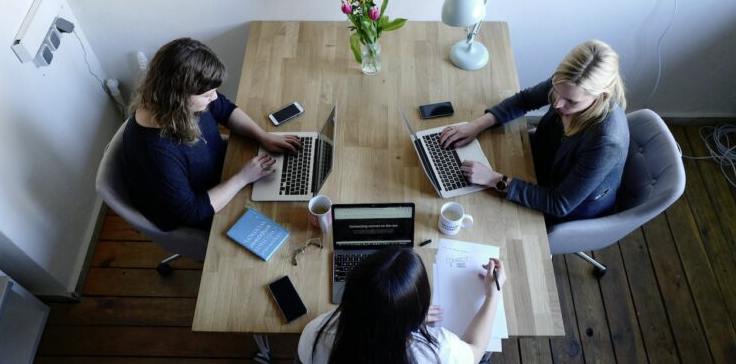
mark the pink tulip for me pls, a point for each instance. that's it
(346, 8)
(374, 13)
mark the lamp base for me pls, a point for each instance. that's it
(469, 56)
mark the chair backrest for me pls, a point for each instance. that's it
(653, 179)
(110, 184)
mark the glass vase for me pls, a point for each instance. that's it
(371, 53)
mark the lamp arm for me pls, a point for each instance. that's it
(476, 29)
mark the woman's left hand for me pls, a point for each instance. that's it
(480, 173)
(434, 314)
(281, 143)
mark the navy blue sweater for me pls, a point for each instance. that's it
(168, 181)
(578, 175)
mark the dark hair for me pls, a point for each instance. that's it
(182, 68)
(386, 299)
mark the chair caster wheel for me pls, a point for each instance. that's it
(164, 269)
(600, 272)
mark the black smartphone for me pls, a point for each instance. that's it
(287, 298)
(286, 113)
(436, 110)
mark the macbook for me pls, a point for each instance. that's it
(298, 177)
(441, 165)
(359, 230)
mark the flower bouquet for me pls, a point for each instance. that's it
(368, 22)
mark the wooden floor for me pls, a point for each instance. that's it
(669, 296)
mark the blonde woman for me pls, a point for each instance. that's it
(580, 145)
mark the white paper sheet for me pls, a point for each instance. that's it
(459, 290)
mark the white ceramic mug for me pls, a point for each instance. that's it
(320, 212)
(453, 218)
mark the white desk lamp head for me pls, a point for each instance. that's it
(466, 54)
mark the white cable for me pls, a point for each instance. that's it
(120, 105)
(659, 56)
(721, 144)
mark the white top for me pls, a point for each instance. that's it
(451, 349)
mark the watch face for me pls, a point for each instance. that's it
(501, 185)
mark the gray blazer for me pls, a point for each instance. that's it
(578, 176)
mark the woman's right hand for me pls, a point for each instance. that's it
(257, 168)
(488, 281)
(459, 135)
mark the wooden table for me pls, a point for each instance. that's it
(311, 62)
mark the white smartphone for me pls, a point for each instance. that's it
(286, 113)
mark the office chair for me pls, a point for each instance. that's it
(184, 241)
(653, 178)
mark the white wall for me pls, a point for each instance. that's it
(54, 123)
(699, 56)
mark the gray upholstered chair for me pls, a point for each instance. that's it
(654, 177)
(184, 241)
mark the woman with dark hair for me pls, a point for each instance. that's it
(172, 146)
(580, 145)
(382, 317)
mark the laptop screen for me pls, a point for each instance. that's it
(324, 150)
(369, 226)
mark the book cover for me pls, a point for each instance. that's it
(259, 234)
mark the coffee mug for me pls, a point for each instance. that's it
(453, 217)
(320, 212)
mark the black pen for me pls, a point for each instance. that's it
(495, 278)
(425, 242)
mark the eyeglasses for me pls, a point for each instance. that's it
(313, 242)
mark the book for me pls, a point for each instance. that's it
(259, 234)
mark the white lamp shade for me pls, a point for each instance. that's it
(462, 13)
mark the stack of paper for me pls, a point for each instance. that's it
(459, 290)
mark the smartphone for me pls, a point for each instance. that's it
(287, 298)
(436, 110)
(286, 113)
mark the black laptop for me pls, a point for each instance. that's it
(359, 230)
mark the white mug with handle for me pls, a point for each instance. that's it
(320, 212)
(453, 218)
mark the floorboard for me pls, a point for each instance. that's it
(669, 296)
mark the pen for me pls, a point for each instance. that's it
(425, 242)
(495, 278)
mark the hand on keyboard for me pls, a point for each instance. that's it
(479, 173)
(281, 143)
(257, 168)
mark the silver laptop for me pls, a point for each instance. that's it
(359, 230)
(298, 177)
(441, 165)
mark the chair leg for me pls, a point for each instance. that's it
(164, 269)
(263, 356)
(600, 269)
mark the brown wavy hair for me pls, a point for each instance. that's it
(593, 66)
(182, 68)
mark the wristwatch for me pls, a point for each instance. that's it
(502, 184)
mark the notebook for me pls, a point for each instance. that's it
(298, 177)
(359, 230)
(257, 233)
(441, 165)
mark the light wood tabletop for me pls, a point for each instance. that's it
(311, 62)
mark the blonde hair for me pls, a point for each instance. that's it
(592, 66)
(182, 68)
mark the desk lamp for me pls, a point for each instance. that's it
(467, 54)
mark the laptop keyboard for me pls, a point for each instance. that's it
(344, 264)
(447, 163)
(295, 173)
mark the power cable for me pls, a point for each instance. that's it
(659, 56)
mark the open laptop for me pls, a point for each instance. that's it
(441, 165)
(298, 177)
(359, 230)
